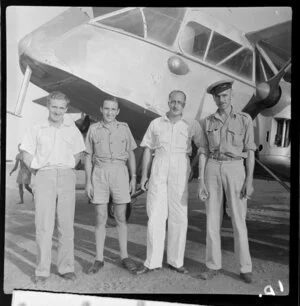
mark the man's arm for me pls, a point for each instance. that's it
(247, 188)
(77, 158)
(15, 166)
(249, 147)
(147, 158)
(202, 192)
(132, 170)
(88, 174)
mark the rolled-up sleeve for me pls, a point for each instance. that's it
(149, 139)
(131, 144)
(89, 142)
(203, 145)
(79, 145)
(249, 143)
(29, 141)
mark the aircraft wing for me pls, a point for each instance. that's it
(43, 101)
(276, 41)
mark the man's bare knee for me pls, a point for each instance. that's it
(120, 213)
(101, 214)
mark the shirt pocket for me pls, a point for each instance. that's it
(161, 138)
(213, 135)
(183, 140)
(45, 144)
(120, 141)
(235, 136)
(99, 144)
(68, 143)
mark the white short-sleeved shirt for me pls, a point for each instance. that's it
(162, 135)
(53, 147)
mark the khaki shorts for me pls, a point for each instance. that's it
(110, 179)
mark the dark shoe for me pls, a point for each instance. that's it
(129, 264)
(181, 270)
(246, 277)
(209, 274)
(97, 265)
(40, 280)
(68, 276)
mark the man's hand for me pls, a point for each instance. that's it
(89, 190)
(202, 191)
(144, 181)
(132, 185)
(247, 189)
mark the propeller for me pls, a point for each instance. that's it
(267, 93)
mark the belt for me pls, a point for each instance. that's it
(109, 161)
(225, 158)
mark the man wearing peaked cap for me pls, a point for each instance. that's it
(228, 140)
(219, 86)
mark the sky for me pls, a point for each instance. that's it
(22, 20)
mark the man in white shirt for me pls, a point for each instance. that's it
(52, 149)
(170, 137)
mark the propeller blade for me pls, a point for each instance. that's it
(267, 93)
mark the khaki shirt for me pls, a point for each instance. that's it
(53, 147)
(109, 142)
(164, 136)
(233, 138)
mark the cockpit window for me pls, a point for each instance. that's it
(163, 23)
(220, 48)
(130, 21)
(263, 70)
(216, 49)
(157, 24)
(240, 64)
(195, 38)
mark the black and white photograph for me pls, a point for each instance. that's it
(148, 150)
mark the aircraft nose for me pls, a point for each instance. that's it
(24, 44)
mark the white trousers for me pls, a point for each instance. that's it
(167, 200)
(54, 195)
(226, 178)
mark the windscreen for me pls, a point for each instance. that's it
(152, 23)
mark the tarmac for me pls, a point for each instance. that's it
(268, 222)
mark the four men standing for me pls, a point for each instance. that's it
(52, 149)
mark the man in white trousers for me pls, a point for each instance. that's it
(170, 138)
(52, 149)
(228, 139)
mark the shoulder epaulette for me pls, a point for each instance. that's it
(245, 114)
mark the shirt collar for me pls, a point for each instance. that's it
(66, 122)
(113, 124)
(232, 113)
(165, 117)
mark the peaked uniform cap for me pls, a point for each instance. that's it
(219, 86)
